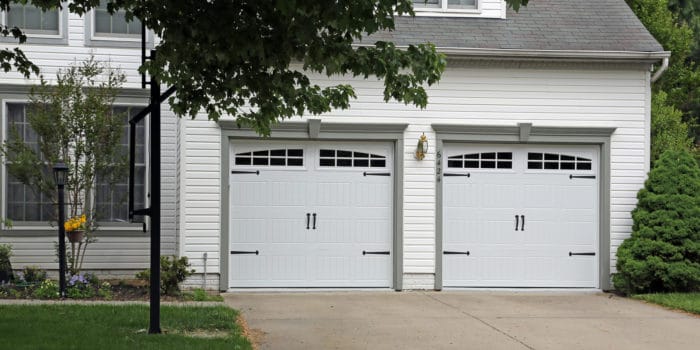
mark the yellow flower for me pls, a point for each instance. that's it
(82, 219)
(67, 226)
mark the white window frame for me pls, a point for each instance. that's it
(421, 8)
(43, 226)
(30, 32)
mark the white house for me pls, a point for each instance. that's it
(537, 143)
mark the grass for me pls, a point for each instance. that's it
(118, 327)
(199, 294)
(689, 302)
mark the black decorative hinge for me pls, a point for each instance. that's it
(256, 172)
(587, 253)
(245, 252)
(456, 174)
(449, 252)
(375, 174)
(581, 176)
(385, 252)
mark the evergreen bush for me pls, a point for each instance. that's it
(663, 252)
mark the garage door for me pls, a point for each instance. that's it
(311, 214)
(520, 216)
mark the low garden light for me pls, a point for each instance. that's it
(422, 147)
(60, 173)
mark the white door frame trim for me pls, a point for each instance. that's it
(526, 133)
(315, 129)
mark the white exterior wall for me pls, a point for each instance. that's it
(116, 254)
(545, 94)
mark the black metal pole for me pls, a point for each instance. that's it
(155, 204)
(61, 243)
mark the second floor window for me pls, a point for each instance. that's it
(445, 4)
(114, 24)
(33, 20)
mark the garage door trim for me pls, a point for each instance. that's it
(310, 131)
(525, 133)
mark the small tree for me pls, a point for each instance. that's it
(663, 253)
(74, 122)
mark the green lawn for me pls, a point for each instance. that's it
(118, 327)
(689, 302)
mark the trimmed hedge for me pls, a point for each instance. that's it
(663, 253)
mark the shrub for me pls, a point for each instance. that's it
(5, 265)
(32, 275)
(663, 252)
(172, 273)
(48, 289)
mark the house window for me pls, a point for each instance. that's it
(106, 24)
(33, 20)
(111, 194)
(24, 204)
(445, 4)
(274, 157)
(343, 158)
(555, 161)
(485, 160)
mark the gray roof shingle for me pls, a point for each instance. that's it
(590, 25)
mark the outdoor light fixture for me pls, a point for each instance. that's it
(422, 147)
(60, 173)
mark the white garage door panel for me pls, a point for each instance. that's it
(347, 213)
(509, 183)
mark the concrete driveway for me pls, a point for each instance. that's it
(462, 320)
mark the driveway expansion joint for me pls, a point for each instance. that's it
(479, 320)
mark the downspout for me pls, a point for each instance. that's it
(661, 70)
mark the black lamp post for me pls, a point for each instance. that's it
(60, 172)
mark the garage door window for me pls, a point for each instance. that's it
(485, 160)
(555, 161)
(274, 157)
(343, 158)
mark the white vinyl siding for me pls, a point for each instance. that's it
(470, 93)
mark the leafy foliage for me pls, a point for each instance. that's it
(32, 275)
(75, 123)
(5, 264)
(250, 59)
(668, 131)
(172, 273)
(681, 81)
(663, 253)
(48, 289)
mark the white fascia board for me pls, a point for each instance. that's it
(569, 55)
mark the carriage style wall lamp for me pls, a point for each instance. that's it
(422, 147)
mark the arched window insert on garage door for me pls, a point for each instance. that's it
(274, 157)
(554, 161)
(485, 160)
(343, 158)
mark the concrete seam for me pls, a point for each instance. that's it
(480, 320)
